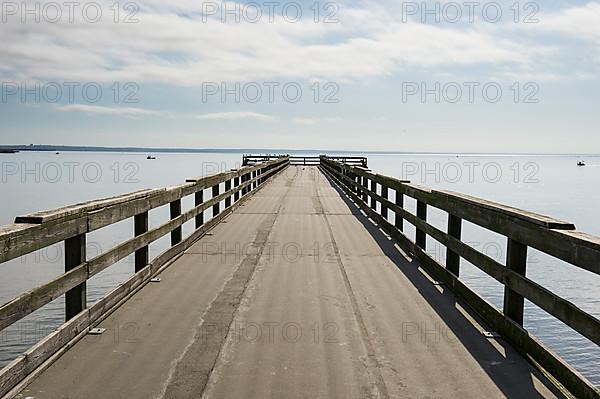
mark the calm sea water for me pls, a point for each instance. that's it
(551, 185)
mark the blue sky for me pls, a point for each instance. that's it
(366, 62)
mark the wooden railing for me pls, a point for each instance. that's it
(522, 229)
(71, 224)
(305, 160)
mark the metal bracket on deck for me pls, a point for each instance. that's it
(490, 334)
(96, 331)
(156, 280)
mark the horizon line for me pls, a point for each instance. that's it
(257, 150)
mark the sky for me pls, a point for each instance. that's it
(501, 76)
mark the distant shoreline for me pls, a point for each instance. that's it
(10, 149)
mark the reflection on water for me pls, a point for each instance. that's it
(551, 185)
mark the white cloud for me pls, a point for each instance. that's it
(115, 111)
(235, 116)
(141, 112)
(314, 121)
(169, 46)
(582, 22)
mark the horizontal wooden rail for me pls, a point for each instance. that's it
(551, 236)
(41, 229)
(306, 160)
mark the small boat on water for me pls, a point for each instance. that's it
(581, 163)
(150, 157)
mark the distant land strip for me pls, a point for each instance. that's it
(4, 149)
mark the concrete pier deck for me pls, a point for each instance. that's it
(296, 294)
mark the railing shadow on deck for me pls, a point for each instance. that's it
(522, 229)
(512, 382)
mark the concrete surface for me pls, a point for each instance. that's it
(296, 295)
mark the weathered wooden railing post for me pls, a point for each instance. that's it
(236, 183)
(421, 237)
(75, 255)
(452, 258)
(246, 178)
(242, 181)
(227, 188)
(399, 222)
(215, 194)
(365, 183)
(198, 200)
(175, 210)
(384, 209)
(373, 188)
(140, 226)
(516, 260)
(353, 185)
(344, 173)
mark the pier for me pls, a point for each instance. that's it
(298, 281)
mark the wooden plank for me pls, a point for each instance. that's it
(198, 199)
(121, 251)
(373, 189)
(142, 254)
(399, 222)
(574, 247)
(104, 305)
(34, 299)
(227, 189)
(516, 260)
(41, 351)
(12, 374)
(437, 198)
(421, 236)
(363, 184)
(217, 205)
(567, 312)
(531, 217)
(75, 255)
(126, 248)
(22, 366)
(113, 214)
(77, 210)
(577, 248)
(236, 183)
(452, 258)
(113, 209)
(175, 211)
(384, 208)
(19, 240)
